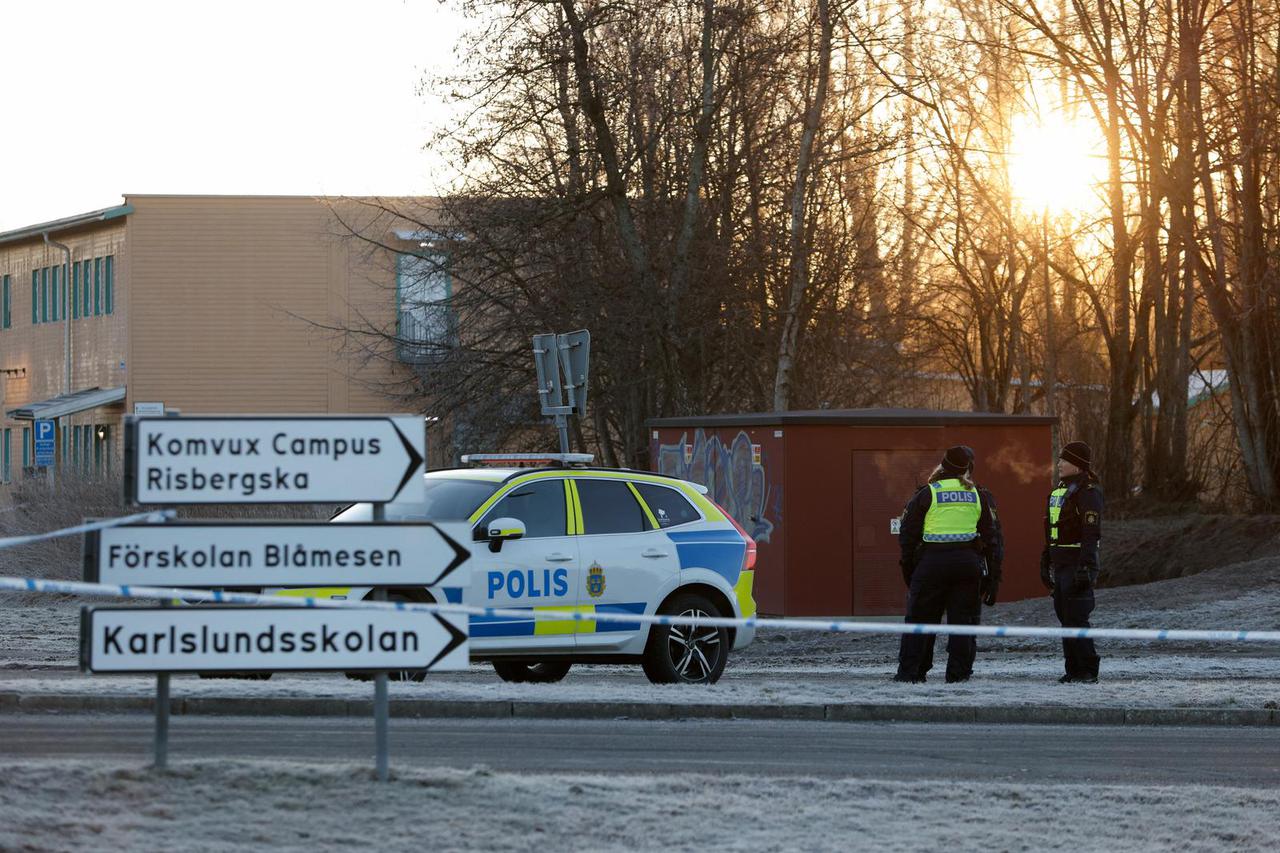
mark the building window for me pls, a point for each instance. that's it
(6, 319)
(84, 289)
(44, 294)
(26, 447)
(97, 286)
(424, 318)
(6, 458)
(75, 291)
(108, 291)
(55, 273)
(35, 297)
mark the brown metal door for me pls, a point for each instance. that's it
(883, 482)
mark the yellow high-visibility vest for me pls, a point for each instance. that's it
(1057, 499)
(954, 510)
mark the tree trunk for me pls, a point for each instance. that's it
(799, 270)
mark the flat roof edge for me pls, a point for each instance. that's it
(31, 232)
(869, 418)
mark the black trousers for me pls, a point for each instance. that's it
(944, 582)
(1080, 658)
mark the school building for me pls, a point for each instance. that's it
(208, 304)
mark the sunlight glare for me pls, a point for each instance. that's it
(1055, 164)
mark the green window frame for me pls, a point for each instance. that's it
(44, 294)
(35, 297)
(97, 286)
(6, 457)
(108, 290)
(75, 291)
(84, 288)
(6, 319)
(55, 276)
(26, 447)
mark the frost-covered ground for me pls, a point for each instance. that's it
(809, 668)
(224, 805)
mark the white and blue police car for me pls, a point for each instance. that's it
(563, 536)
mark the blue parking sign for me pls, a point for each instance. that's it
(45, 434)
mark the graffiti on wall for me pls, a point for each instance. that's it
(734, 475)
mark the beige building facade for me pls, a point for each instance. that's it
(202, 304)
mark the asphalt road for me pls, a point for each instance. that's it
(1246, 757)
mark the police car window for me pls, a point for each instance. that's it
(668, 506)
(540, 505)
(452, 499)
(609, 507)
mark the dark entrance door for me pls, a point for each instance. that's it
(883, 482)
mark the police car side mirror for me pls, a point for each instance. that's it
(502, 529)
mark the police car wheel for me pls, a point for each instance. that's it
(546, 672)
(684, 654)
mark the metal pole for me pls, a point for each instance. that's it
(562, 426)
(380, 703)
(161, 740)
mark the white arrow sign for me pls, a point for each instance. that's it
(268, 639)
(250, 459)
(278, 553)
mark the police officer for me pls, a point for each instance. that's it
(1069, 564)
(951, 555)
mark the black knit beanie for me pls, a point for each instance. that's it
(957, 460)
(1078, 454)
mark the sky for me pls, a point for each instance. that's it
(268, 97)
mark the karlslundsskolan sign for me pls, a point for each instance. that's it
(278, 554)
(268, 639)
(249, 459)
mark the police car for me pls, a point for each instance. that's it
(567, 537)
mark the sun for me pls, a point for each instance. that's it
(1056, 165)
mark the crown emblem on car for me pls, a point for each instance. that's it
(595, 580)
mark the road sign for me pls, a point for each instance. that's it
(546, 361)
(148, 408)
(278, 553)
(45, 434)
(268, 639)
(252, 459)
(575, 357)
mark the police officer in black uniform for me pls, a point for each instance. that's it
(1069, 564)
(952, 549)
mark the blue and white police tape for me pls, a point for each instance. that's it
(205, 596)
(154, 516)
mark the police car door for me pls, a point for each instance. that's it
(625, 563)
(539, 571)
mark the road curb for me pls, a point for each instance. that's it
(302, 706)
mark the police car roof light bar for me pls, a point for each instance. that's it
(563, 460)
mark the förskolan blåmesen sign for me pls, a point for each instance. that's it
(254, 459)
(278, 553)
(268, 639)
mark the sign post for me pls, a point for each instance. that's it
(289, 459)
(160, 747)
